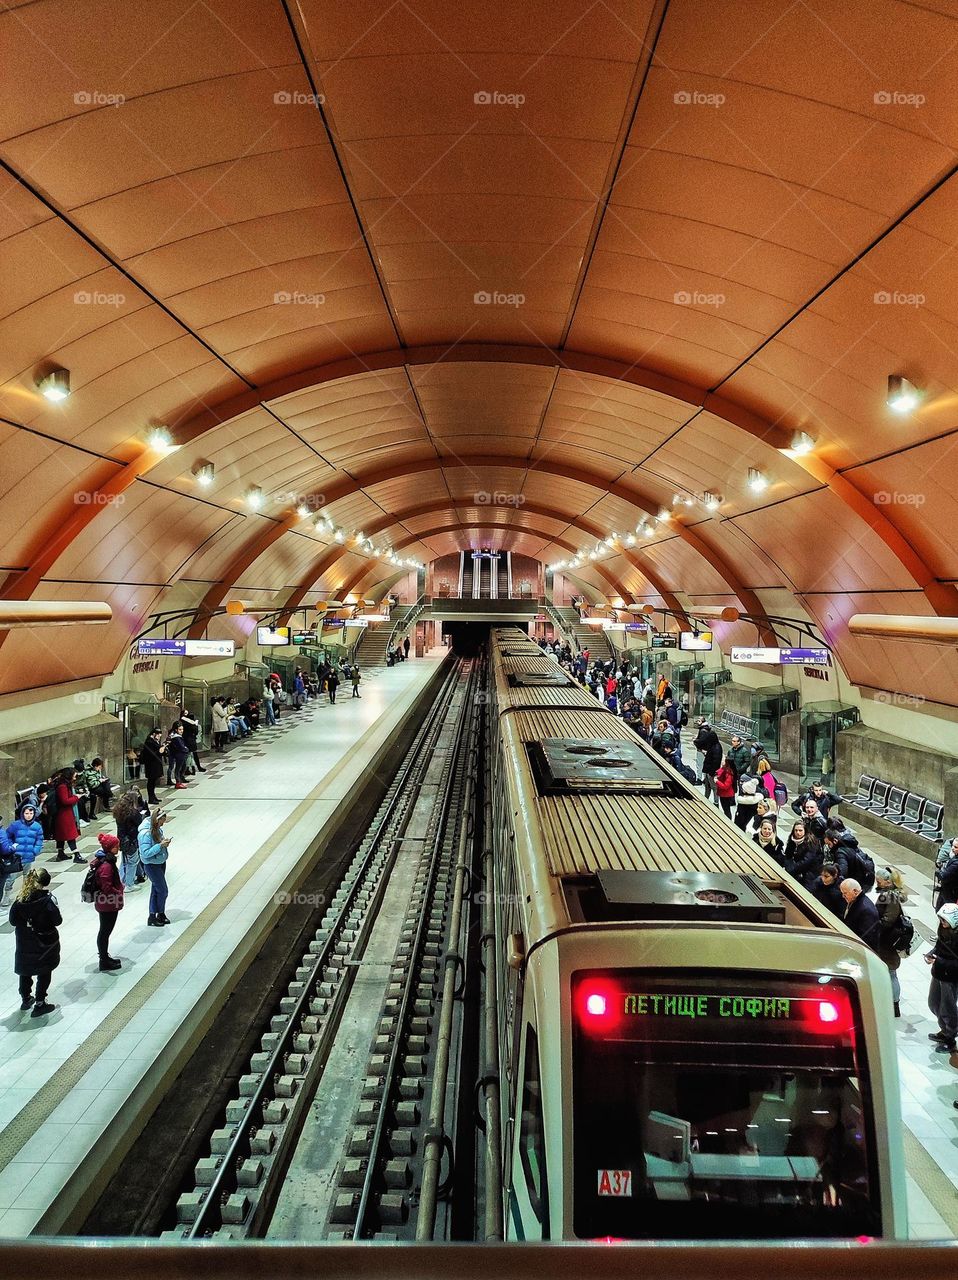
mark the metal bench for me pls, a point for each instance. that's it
(900, 807)
(866, 791)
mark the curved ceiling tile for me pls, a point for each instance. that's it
(677, 562)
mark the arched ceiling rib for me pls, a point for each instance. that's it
(643, 241)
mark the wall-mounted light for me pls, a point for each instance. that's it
(339, 535)
(903, 396)
(710, 500)
(664, 515)
(681, 500)
(303, 511)
(55, 385)
(756, 480)
(648, 531)
(204, 472)
(630, 540)
(254, 497)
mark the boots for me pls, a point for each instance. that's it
(163, 918)
(108, 964)
(897, 1009)
(152, 919)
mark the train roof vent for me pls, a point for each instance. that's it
(570, 766)
(686, 895)
(549, 679)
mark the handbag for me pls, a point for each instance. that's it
(10, 864)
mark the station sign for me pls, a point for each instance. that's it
(782, 657)
(636, 626)
(662, 640)
(157, 647)
(332, 624)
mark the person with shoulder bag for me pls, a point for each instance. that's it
(943, 991)
(153, 845)
(36, 919)
(897, 930)
(107, 897)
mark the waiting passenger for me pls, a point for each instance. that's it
(10, 864)
(332, 684)
(747, 797)
(177, 756)
(191, 734)
(107, 898)
(355, 677)
(823, 798)
(707, 742)
(826, 888)
(769, 843)
(268, 699)
(26, 836)
(943, 992)
(861, 914)
(153, 845)
(842, 847)
(219, 727)
(948, 878)
(151, 758)
(97, 786)
(739, 757)
(804, 856)
(65, 829)
(36, 918)
(128, 813)
(725, 787)
(814, 819)
(891, 894)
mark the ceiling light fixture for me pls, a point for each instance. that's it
(204, 472)
(903, 396)
(303, 511)
(630, 540)
(756, 480)
(254, 497)
(160, 438)
(710, 500)
(664, 515)
(802, 443)
(55, 385)
(339, 535)
(648, 531)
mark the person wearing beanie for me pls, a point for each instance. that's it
(36, 918)
(23, 841)
(108, 897)
(943, 992)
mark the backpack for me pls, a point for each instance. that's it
(684, 718)
(861, 867)
(89, 887)
(901, 936)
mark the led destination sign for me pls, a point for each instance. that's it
(661, 1005)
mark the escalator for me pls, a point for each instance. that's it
(483, 572)
(466, 576)
(502, 575)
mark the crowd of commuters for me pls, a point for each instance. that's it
(805, 837)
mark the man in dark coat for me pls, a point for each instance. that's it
(861, 914)
(154, 766)
(738, 756)
(948, 880)
(707, 741)
(818, 792)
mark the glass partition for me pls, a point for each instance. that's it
(139, 714)
(768, 707)
(819, 726)
(195, 696)
(706, 682)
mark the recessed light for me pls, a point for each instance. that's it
(204, 472)
(903, 396)
(160, 437)
(802, 443)
(756, 480)
(55, 385)
(710, 500)
(254, 497)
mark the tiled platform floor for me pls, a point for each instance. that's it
(237, 835)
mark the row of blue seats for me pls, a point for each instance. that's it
(904, 808)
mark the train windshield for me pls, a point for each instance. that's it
(709, 1107)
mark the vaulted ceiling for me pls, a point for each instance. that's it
(517, 273)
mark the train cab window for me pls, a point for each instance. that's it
(532, 1147)
(710, 1106)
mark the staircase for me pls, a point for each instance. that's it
(592, 638)
(371, 650)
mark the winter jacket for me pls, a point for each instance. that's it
(151, 759)
(826, 802)
(674, 716)
(852, 858)
(355, 677)
(28, 839)
(707, 741)
(6, 841)
(861, 916)
(749, 793)
(65, 824)
(108, 895)
(191, 729)
(151, 851)
(739, 758)
(945, 951)
(829, 895)
(774, 848)
(220, 718)
(177, 748)
(803, 860)
(890, 913)
(36, 920)
(948, 883)
(725, 782)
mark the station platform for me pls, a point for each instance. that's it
(929, 1080)
(79, 1083)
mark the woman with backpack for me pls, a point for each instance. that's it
(152, 846)
(128, 813)
(107, 897)
(65, 829)
(747, 799)
(36, 918)
(891, 894)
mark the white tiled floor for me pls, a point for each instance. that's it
(231, 817)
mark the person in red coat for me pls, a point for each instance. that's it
(725, 787)
(108, 897)
(65, 830)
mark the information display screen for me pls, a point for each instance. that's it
(303, 637)
(690, 641)
(276, 637)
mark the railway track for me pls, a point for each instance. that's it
(375, 964)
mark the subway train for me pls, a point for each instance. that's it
(691, 1047)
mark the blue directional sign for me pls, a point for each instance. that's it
(154, 647)
(806, 657)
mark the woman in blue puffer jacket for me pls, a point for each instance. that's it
(26, 835)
